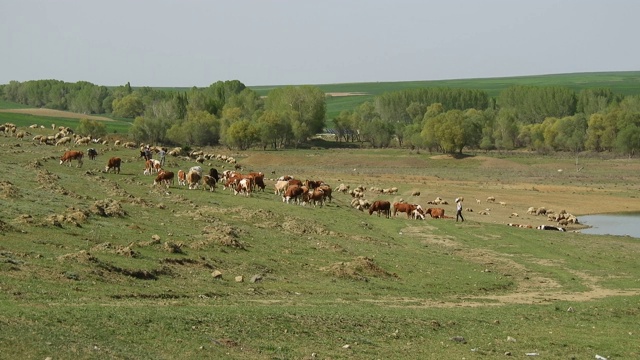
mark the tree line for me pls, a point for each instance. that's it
(539, 118)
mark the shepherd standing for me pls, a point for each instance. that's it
(459, 209)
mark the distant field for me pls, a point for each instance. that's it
(624, 83)
(55, 113)
(46, 117)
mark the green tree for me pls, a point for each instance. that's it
(241, 134)
(199, 128)
(307, 101)
(378, 132)
(274, 129)
(129, 106)
(92, 128)
(601, 132)
(532, 104)
(628, 139)
(571, 133)
(591, 101)
(506, 129)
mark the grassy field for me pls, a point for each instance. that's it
(97, 265)
(45, 117)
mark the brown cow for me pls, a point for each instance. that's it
(258, 180)
(193, 179)
(436, 213)
(164, 177)
(312, 184)
(295, 182)
(72, 155)
(113, 163)
(292, 192)
(403, 207)
(381, 206)
(209, 181)
(327, 191)
(317, 196)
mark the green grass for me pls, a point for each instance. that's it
(75, 284)
(11, 105)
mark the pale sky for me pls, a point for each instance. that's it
(184, 43)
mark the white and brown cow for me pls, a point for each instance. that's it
(244, 187)
(182, 178)
(72, 155)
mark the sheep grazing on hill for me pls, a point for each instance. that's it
(342, 188)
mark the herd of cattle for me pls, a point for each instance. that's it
(301, 192)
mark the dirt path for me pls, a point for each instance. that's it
(533, 289)
(55, 113)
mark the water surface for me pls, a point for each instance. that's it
(612, 224)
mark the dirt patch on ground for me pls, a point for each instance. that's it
(532, 287)
(8, 190)
(359, 269)
(55, 113)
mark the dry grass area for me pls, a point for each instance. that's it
(603, 186)
(55, 113)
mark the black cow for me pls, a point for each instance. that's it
(92, 153)
(214, 174)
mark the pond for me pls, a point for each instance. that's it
(612, 224)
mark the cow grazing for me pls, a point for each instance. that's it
(164, 177)
(403, 207)
(209, 182)
(92, 153)
(292, 192)
(258, 180)
(243, 186)
(549, 227)
(113, 163)
(418, 214)
(193, 179)
(152, 166)
(327, 191)
(381, 206)
(316, 196)
(72, 155)
(436, 213)
(182, 178)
